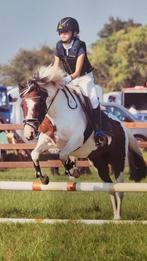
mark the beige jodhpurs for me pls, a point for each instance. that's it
(88, 88)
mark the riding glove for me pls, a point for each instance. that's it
(67, 79)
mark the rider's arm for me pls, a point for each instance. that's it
(57, 61)
(79, 65)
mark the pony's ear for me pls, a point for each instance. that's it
(36, 75)
(21, 87)
(22, 84)
(25, 85)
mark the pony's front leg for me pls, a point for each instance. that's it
(43, 144)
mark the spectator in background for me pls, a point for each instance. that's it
(133, 110)
(112, 98)
(145, 84)
(14, 98)
(16, 113)
(3, 140)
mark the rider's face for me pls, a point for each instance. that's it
(66, 36)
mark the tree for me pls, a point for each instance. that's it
(115, 25)
(24, 64)
(120, 59)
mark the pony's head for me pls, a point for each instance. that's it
(33, 105)
(44, 85)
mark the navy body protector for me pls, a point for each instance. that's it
(69, 62)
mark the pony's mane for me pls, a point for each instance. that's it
(42, 77)
(51, 74)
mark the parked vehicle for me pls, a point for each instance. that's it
(135, 97)
(5, 108)
(141, 116)
(132, 98)
(124, 115)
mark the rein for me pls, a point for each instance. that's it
(52, 100)
(76, 104)
(67, 97)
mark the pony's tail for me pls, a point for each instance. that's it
(138, 167)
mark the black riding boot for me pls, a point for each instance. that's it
(101, 129)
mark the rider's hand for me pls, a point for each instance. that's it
(67, 79)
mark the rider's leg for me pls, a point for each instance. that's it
(101, 121)
(101, 130)
(88, 88)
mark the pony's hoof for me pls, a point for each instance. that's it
(76, 173)
(117, 218)
(44, 180)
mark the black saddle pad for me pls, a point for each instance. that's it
(87, 108)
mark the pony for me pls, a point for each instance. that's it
(71, 133)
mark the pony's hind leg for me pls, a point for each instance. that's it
(70, 167)
(103, 171)
(119, 197)
(114, 203)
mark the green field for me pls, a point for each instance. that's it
(37, 242)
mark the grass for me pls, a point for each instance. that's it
(67, 242)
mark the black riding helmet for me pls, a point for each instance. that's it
(68, 24)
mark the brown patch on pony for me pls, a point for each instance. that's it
(47, 127)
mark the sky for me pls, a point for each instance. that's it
(29, 24)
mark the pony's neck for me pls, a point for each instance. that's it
(57, 107)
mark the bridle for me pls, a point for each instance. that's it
(34, 122)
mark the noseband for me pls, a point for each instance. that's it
(33, 123)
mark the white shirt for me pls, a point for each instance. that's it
(67, 46)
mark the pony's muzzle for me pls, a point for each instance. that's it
(31, 137)
(29, 132)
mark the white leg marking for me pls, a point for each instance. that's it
(119, 197)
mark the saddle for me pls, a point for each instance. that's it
(87, 108)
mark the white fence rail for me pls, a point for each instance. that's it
(73, 186)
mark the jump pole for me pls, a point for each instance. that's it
(73, 186)
(70, 221)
